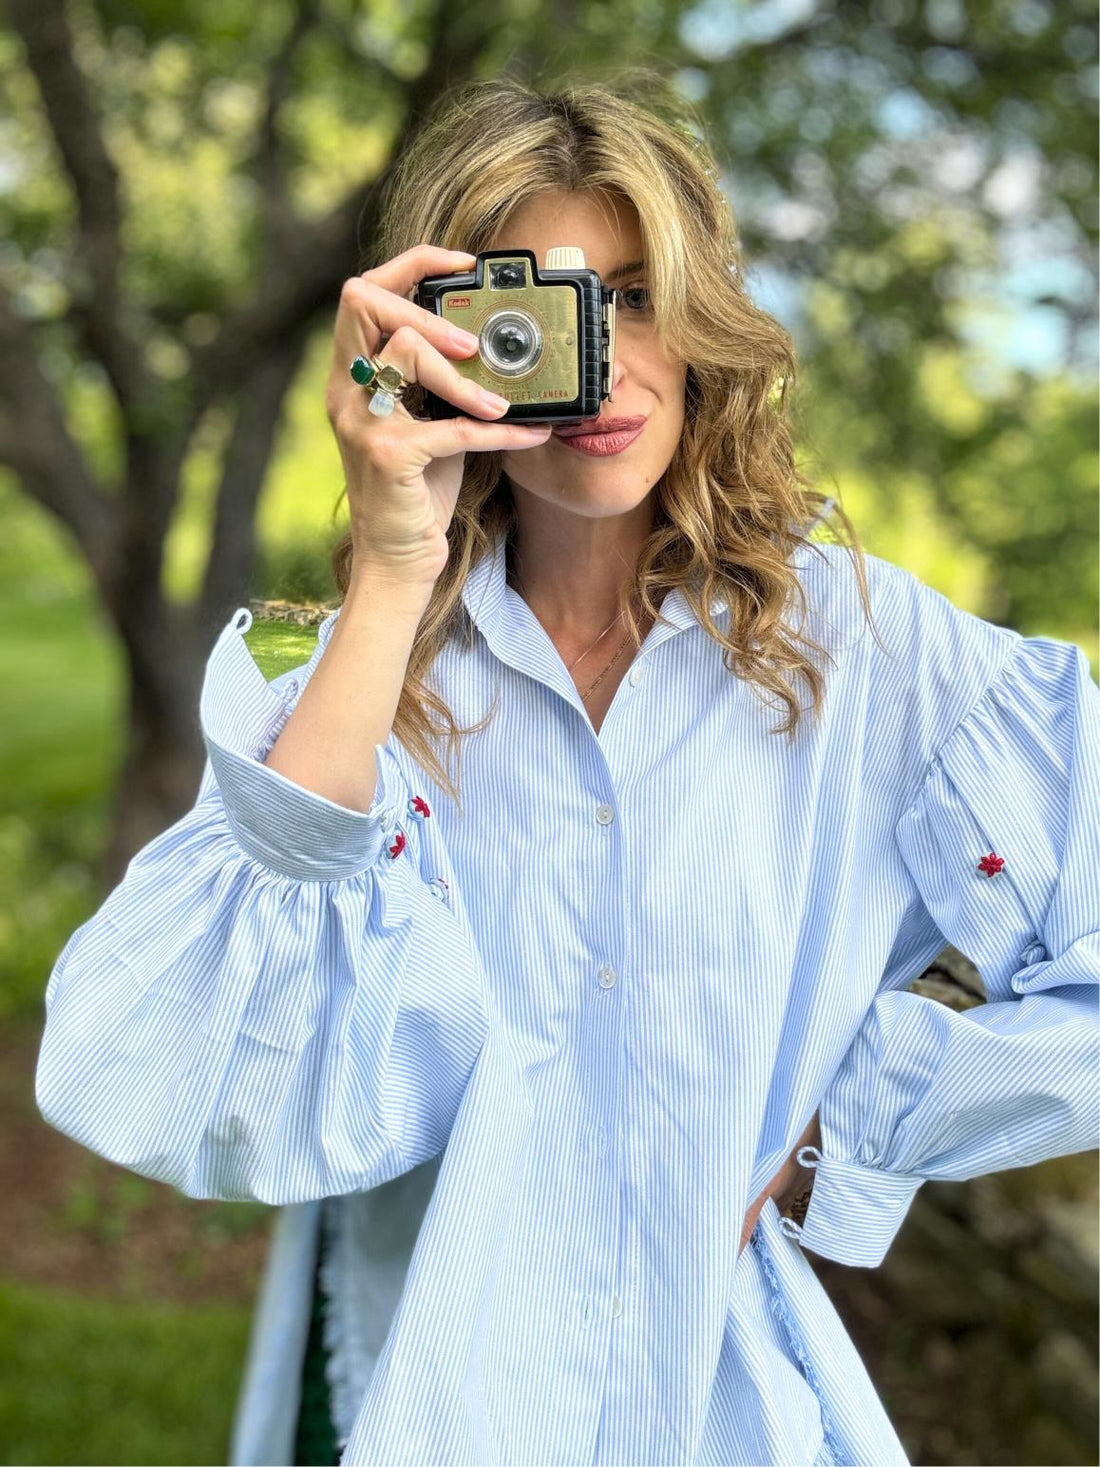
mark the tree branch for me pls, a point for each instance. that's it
(41, 449)
(304, 277)
(44, 29)
(266, 162)
(244, 470)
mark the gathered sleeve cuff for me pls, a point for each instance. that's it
(1002, 842)
(269, 1005)
(279, 823)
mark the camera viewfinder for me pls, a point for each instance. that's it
(508, 275)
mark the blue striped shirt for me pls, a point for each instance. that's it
(543, 1055)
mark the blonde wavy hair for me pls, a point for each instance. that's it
(732, 508)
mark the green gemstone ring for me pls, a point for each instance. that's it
(386, 383)
(362, 371)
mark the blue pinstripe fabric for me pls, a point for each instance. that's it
(604, 1001)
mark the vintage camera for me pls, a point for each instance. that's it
(547, 337)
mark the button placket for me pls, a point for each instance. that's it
(607, 977)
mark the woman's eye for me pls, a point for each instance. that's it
(640, 301)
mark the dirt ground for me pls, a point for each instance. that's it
(71, 1220)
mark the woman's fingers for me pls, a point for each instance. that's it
(421, 362)
(378, 312)
(408, 269)
(457, 435)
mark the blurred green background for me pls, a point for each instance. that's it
(183, 186)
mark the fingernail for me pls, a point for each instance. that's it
(462, 338)
(491, 400)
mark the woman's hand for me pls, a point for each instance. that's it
(788, 1182)
(403, 473)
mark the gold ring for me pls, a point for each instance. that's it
(384, 382)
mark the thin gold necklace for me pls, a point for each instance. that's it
(585, 653)
(606, 670)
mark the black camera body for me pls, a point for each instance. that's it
(546, 337)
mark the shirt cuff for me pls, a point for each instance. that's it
(854, 1211)
(279, 823)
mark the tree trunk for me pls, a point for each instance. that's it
(159, 775)
(166, 645)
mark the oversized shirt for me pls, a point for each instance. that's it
(545, 1052)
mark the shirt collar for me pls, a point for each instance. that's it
(515, 636)
(490, 600)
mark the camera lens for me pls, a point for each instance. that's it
(511, 342)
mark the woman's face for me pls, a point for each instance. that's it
(648, 381)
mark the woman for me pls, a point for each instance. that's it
(552, 1043)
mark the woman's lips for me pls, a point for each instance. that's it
(600, 445)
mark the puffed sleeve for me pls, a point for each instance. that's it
(1002, 842)
(280, 1000)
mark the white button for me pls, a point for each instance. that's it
(607, 976)
(604, 814)
(616, 1306)
(599, 1140)
(635, 676)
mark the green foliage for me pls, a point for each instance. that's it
(296, 570)
(895, 161)
(1009, 534)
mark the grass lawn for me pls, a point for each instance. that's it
(91, 1380)
(92, 1375)
(278, 646)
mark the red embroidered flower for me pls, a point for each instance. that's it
(990, 864)
(418, 807)
(398, 845)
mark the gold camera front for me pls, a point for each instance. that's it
(527, 333)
